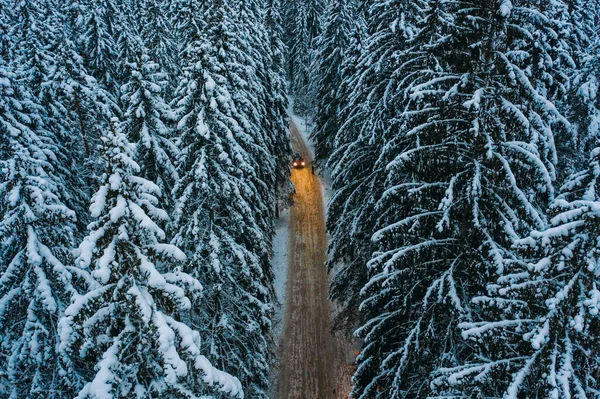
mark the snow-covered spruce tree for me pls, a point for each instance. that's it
(469, 170)
(289, 12)
(37, 280)
(188, 23)
(579, 29)
(215, 223)
(239, 58)
(300, 58)
(146, 120)
(35, 61)
(129, 333)
(303, 55)
(314, 14)
(98, 42)
(5, 35)
(368, 108)
(330, 46)
(32, 48)
(230, 28)
(158, 34)
(544, 308)
(546, 296)
(277, 103)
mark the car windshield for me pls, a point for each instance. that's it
(297, 156)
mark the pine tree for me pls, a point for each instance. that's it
(158, 35)
(470, 166)
(289, 12)
(146, 121)
(300, 58)
(578, 29)
(37, 233)
(545, 295)
(101, 29)
(331, 46)
(188, 22)
(32, 53)
(368, 107)
(277, 103)
(314, 13)
(130, 328)
(215, 221)
(230, 29)
(5, 37)
(36, 63)
(544, 308)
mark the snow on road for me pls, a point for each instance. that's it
(310, 357)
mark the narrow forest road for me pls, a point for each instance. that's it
(309, 354)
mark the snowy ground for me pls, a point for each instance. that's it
(280, 263)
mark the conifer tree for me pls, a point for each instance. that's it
(37, 233)
(368, 107)
(578, 29)
(32, 51)
(130, 330)
(215, 222)
(188, 23)
(146, 121)
(5, 43)
(314, 14)
(543, 310)
(277, 103)
(100, 32)
(230, 28)
(469, 168)
(36, 65)
(331, 46)
(158, 35)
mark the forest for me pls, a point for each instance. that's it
(145, 155)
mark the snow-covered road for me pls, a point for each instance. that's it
(309, 353)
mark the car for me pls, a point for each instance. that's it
(298, 161)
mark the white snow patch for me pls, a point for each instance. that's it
(279, 263)
(325, 180)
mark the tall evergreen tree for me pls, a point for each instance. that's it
(369, 105)
(469, 168)
(130, 328)
(188, 23)
(216, 224)
(158, 34)
(331, 46)
(277, 103)
(579, 30)
(543, 310)
(38, 65)
(5, 42)
(146, 121)
(314, 14)
(37, 234)
(100, 32)
(301, 58)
